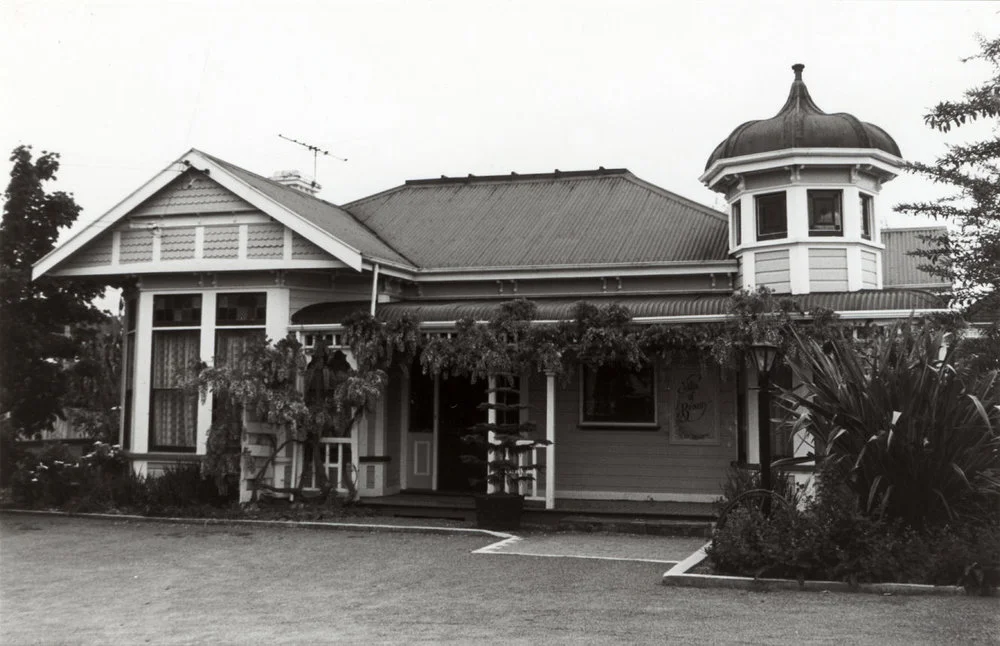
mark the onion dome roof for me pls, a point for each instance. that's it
(801, 124)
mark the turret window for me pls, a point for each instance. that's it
(737, 224)
(772, 216)
(825, 213)
(867, 215)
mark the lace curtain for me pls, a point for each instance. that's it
(174, 411)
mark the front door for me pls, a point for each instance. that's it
(458, 412)
(420, 439)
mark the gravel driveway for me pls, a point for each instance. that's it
(78, 581)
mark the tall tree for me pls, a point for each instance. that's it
(35, 315)
(969, 253)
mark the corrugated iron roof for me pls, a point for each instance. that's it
(329, 217)
(901, 269)
(640, 306)
(591, 217)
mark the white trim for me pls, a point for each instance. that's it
(199, 243)
(878, 159)
(434, 437)
(103, 223)
(198, 265)
(116, 247)
(142, 373)
(550, 435)
(242, 241)
(347, 254)
(640, 496)
(207, 352)
(404, 429)
(573, 271)
(286, 250)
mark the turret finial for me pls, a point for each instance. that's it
(797, 68)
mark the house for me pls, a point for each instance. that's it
(212, 254)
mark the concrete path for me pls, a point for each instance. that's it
(614, 547)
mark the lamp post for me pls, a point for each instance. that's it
(764, 355)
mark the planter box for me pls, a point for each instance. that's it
(499, 511)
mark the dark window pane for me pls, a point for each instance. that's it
(867, 208)
(615, 394)
(177, 310)
(738, 223)
(772, 220)
(241, 309)
(825, 216)
(173, 410)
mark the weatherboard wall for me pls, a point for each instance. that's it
(662, 463)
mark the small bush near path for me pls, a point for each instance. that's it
(828, 538)
(102, 482)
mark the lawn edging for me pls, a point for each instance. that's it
(679, 576)
(305, 524)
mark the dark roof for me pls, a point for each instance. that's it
(801, 124)
(640, 306)
(571, 218)
(329, 217)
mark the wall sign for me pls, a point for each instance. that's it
(695, 406)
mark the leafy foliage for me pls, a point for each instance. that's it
(969, 254)
(35, 314)
(916, 436)
(93, 391)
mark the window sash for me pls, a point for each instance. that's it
(737, 224)
(177, 310)
(772, 216)
(173, 411)
(241, 309)
(867, 204)
(826, 217)
(614, 395)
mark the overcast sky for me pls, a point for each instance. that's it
(420, 89)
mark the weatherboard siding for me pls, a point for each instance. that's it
(265, 240)
(633, 462)
(869, 269)
(135, 246)
(303, 249)
(828, 270)
(192, 192)
(177, 244)
(97, 253)
(772, 270)
(222, 242)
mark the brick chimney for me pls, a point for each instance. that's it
(298, 181)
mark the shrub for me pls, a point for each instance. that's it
(915, 435)
(831, 538)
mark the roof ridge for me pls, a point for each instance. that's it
(518, 177)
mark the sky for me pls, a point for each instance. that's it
(419, 89)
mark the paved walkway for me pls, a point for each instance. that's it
(614, 547)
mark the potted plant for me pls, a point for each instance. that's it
(508, 441)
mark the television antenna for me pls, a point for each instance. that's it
(316, 151)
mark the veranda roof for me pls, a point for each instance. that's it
(877, 304)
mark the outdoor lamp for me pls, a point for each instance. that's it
(764, 355)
